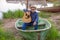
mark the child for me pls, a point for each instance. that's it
(34, 18)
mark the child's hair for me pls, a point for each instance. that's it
(33, 7)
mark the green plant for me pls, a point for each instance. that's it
(53, 32)
(44, 14)
(13, 14)
(1, 34)
(7, 14)
(6, 35)
(58, 37)
(18, 14)
(1, 22)
(56, 3)
(9, 36)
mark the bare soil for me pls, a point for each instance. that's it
(9, 25)
(56, 19)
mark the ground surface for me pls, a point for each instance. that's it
(9, 24)
(56, 19)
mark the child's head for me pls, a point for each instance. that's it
(33, 8)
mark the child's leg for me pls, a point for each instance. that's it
(24, 26)
(36, 27)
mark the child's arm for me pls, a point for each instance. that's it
(36, 20)
(36, 17)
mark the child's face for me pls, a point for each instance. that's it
(33, 9)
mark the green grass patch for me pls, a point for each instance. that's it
(58, 37)
(13, 14)
(7, 14)
(43, 14)
(53, 32)
(18, 14)
(2, 34)
(1, 22)
(57, 3)
(6, 35)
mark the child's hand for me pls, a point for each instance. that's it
(34, 23)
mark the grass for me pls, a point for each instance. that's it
(58, 37)
(52, 34)
(18, 14)
(1, 22)
(57, 3)
(13, 14)
(44, 14)
(5, 35)
(1, 34)
(7, 14)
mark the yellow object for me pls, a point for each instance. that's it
(26, 18)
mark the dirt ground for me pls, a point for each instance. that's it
(56, 19)
(9, 25)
